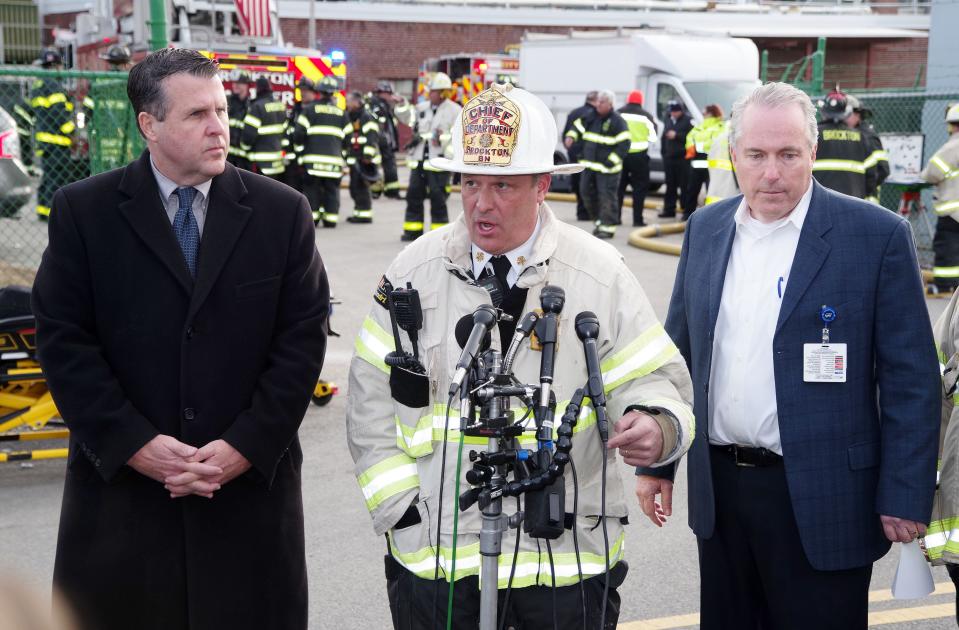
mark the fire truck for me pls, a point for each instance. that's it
(470, 73)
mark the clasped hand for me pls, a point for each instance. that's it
(185, 469)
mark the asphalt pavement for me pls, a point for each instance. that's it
(345, 558)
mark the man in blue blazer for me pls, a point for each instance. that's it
(800, 314)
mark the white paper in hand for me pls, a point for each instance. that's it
(913, 576)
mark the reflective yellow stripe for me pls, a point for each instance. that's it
(724, 165)
(638, 147)
(266, 156)
(945, 272)
(877, 156)
(941, 165)
(363, 214)
(644, 355)
(413, 226)
(388, 478)
(710, 200)
(252, 121)
(596, 166)
(946, 207)
(43, 211)
(591, 136)
(436, 226)
(370, 126)
(373, 342)
(331, 217)
(325, 130)
(51, 138)
(68, 127)
(851, 166)
(532, 568)
(270, 130)
(942, 536)
(700, 163)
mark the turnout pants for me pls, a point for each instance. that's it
(56, 164)
(530, 608)
(391, 182)
(754, 574)
(635, 175)
(323, 193)
(576, 182)
(945, 245)
(600, 194)
(676, 173)
(694, 184)
(423, 183)
(360, 193)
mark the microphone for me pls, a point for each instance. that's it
(587, 329)
(551, 300)
(482, 319)
(523, 330)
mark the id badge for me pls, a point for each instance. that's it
(824, 362)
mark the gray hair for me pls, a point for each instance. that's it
(606, 95)
(775, 95)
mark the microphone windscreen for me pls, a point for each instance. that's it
(463, 329)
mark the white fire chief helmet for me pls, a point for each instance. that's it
(504, 130)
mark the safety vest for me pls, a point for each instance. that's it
(642, 129)
(722, 177)
(700, 139)
(320, 138)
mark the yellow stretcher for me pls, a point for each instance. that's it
(27, 411)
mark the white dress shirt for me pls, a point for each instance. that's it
(517, 257)
(171, 202)
(742, 388)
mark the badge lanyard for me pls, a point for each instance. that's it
(828, 315)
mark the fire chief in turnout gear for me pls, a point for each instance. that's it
(320, 138)
(943, 171)
(843, 155)
(181, 313)
(504, 249)
(390, 111)
(53, 130)
(264, 128)
(431, 138)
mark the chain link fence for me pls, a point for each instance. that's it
(56, 127)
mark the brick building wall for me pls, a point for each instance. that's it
(394, 50)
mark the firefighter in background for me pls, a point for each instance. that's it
(362, 156)
(319, 139)
(943, 171)
(842, 153)
(23, 118)
(722, 177)
(675, 166)
(263, 130)
(574, 149)
(390, 110)
(54, 127)
(431, 139)
(642, 131)
(858, 119)
(606, 140)
(698, 143)
(237, 107)
(295, 174)
(112, 128)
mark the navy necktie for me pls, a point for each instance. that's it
(501, 266)
(185, 227)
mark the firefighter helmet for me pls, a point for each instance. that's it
(243, 78)
(858, 107)
(117, 54)
(49, 57)
(952, 114)
(369, 172)
(441, 81)
(328, 85)
(305, 84)
(511, 132)
(836, 106)
(384, 86)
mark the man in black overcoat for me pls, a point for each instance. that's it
(181, 323)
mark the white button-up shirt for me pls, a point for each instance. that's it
(742, 388)
(171, 202)
(518, 258)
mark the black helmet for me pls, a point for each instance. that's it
(49, 57)
(384, 86)
(328, 85)
(369, 172)
(117, 54)
(263, 86)
(243, 78)
(305, 84)
(835, 106)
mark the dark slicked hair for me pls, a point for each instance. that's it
(145, 83)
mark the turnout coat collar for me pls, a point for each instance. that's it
(226, 218)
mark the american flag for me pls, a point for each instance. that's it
(254, 17)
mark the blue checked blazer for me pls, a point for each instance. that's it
(852, 450)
